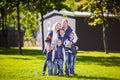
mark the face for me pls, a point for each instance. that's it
(71, 35)
(57, 27)
(65, 24)
(62, 33)
(59, 42)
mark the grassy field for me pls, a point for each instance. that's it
(90, 65)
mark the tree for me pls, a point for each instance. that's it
(98, 9)
(5, 6)
(44, 6)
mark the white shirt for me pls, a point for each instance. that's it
(54, 38)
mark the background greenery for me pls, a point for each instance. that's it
(90, 65)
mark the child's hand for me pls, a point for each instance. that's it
(69, 51)
(52, 47)
(77, 47)
(69, 45)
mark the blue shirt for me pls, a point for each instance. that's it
(59, 53)
(67, 32)
(49, 55)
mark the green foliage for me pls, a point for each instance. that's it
(89, 65)
(29, 13)
(65, 16)
(99, 7)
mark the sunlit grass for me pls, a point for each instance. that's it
(90, 65)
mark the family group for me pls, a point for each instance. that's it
(60, 48)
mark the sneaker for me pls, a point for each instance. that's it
(43, 74)
(60, 74)
(71, 74)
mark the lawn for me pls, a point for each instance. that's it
(90, 65)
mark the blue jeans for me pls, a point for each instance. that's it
(72, 62)
(67, 63)
(49, 64)
(58, 64)
(45, 66)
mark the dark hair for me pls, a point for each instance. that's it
(62, 30)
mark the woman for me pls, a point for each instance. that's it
(51, 39)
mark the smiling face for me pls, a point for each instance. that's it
(57, 27)
(62, 32)
(59, 42)
(65, 24)
(71, 36)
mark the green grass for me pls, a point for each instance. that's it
(90, 65)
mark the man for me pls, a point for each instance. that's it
(68, 30)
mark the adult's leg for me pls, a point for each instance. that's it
(72, 64)
(44, 67)
(67, 66)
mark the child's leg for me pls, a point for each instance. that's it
(49, 63)
(60, 63)
(55, 66)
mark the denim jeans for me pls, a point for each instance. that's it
(58, 64)
(72, 62)
(44, 67)
(67, 63)
(49, 64)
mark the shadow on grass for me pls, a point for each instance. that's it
(105, 61)
(37, 58)
(26, 52)
(13, 51)
(91, 78)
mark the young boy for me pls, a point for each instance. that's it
(71, 50)
(58, 59)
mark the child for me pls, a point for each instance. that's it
(58, 58)
(71, 50)
(62, 38)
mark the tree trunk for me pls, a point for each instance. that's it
(105, 39)
(104, 30)
(42, 27)
(4, 27)
(19, 31)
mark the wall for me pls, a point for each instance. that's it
(53, 19)
(90, 37)
(12, 38)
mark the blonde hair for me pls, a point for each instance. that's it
(53, 28)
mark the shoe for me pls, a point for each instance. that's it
(43, 74)
(60, 74)
(67, 74)
(71, 74)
